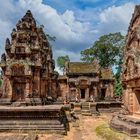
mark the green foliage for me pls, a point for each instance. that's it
(118, 88)
(56, 74)
(50, 38)
(118, 83)
(61, 61)
(0, 82)
(107, 50)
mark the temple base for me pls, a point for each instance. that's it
(50, 118)
(128, 124)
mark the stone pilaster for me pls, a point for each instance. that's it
(27, 89)
(87, 94)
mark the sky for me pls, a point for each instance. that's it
(76, 24)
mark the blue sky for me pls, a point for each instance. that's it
(76, 24)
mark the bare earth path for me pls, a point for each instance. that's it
(83, 129)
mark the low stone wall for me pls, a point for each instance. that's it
(101, 107)
(126, 124)
(108, 106)
(50, 118)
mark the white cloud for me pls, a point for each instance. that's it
(74, 30)
(70, 33)
(4, 31)
(64, 27)
(116, 18)
(76, 26)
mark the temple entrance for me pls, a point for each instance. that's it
(137, 101)
(18, 90)
(82, 93)
(103, 91)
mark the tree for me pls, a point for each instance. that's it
(56, 74)
(61, 61)
(50, 38)
(118, 85)
(107, 50)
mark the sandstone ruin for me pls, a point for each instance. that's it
(29, 82)
(128, 120)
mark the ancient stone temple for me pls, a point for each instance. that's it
(129, 119)
(27, 65)
(86, 81)
(29, 82)
(131, 66)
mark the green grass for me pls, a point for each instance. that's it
(107, 134)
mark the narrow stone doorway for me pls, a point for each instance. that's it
(18, 90)
(103, 91)
(82, 93)
(137, 102)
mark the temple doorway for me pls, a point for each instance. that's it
(103, 91)
(18, 90)
(137, 101)
(82, 93)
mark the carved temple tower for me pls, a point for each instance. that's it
(27, 65)
(131, 65)
(128, 119)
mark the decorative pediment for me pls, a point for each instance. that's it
(131, 68)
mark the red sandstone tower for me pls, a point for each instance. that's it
(28, 67)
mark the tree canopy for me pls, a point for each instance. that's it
(61, 61)
(107, 50)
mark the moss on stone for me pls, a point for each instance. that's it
(106, 133)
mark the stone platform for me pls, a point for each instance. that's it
(128, 124)
(50, 118)
(89, 108)
(108, 106)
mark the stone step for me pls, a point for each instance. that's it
(86, 108)
(86, 114)
(22, 122)
(77, 111)
(16, 127)
(86, 111)
(86, 105)
(19, 137)
(39, 131)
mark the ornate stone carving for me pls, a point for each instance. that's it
(27, 57)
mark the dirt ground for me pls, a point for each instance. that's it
(83, 129)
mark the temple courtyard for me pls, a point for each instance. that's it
(86, 128)
(87, 102)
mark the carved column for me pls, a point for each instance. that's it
(95, 92)
(130, 99)
(8, 88)
(87, 94)
(27, 89)
(112, 89)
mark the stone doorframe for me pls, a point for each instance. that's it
(136, 100)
